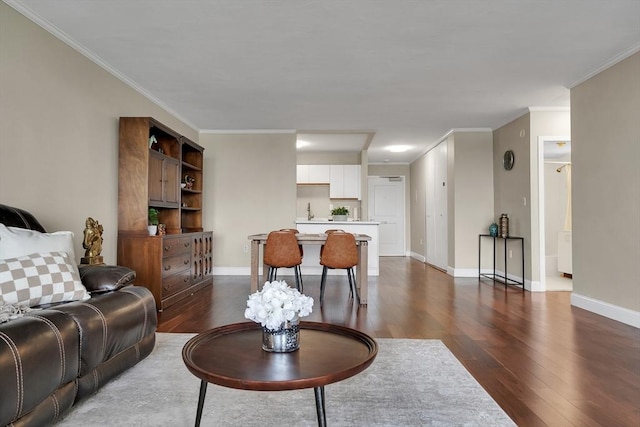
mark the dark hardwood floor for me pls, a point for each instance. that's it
(543, 361)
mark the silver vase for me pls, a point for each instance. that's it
(282, 340)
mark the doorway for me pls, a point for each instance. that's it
(387, 206)
(554, 175)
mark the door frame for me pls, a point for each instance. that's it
(538, 210)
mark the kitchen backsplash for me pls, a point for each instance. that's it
(318, 197)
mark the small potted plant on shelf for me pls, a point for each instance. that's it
(340, 213)
(153, 221)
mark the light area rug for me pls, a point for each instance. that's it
(410, 383)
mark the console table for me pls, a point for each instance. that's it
(505, 279)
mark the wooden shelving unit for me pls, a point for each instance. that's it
(155, 164)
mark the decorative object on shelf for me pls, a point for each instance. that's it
(277, 307)
(183, 184)
(153, 142)
(493, 230)
(153, 221)
(189, 180)
(504, 225)
(92, 242)
(162, 229)
(340, 213)
(508, 159)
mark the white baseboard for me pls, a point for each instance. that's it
(417, 256)
(467, 272)
(535, 286)
(620, 314)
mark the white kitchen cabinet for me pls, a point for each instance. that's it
(302, 174)
(313, 174)
(345, 182)
(319, 174)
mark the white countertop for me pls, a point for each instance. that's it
(310, 264)
(321, 221)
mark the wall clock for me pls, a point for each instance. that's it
(508, 159)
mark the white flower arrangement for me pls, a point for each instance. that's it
(276, 304)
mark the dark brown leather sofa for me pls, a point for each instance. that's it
(52, 358)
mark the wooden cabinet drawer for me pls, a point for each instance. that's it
(176, 264)
(171, 246)
(176, 283)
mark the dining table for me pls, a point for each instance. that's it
(362, 242)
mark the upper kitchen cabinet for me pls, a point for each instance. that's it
(344, 182)
(313, 174)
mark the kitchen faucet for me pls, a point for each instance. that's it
(309, 214)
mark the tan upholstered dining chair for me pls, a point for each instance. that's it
(340, 252)
(282, 251)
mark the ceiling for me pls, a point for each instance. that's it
(393, 72)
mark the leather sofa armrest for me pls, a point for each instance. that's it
(105, 278)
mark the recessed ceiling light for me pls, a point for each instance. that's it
(398, 148)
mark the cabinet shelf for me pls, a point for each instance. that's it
(188, 190)
(163, 205)
(189, 166)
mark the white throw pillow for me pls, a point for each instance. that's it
(16, 242)
(40, 278)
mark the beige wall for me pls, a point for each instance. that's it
(471, 211)
(511, 187)
(250, 188)
(59, 131)
(605, 112)
(418, 195)
(516, 191)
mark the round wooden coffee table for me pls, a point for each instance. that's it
(232, 356)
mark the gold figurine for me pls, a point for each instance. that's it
(92, 242)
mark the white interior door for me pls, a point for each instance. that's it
(386, 205)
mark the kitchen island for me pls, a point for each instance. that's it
(311, 261)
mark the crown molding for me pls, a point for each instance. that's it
(611, 62)
(247, 131)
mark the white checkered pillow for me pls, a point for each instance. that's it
(40, 278)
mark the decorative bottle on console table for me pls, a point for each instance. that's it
(504, 226)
